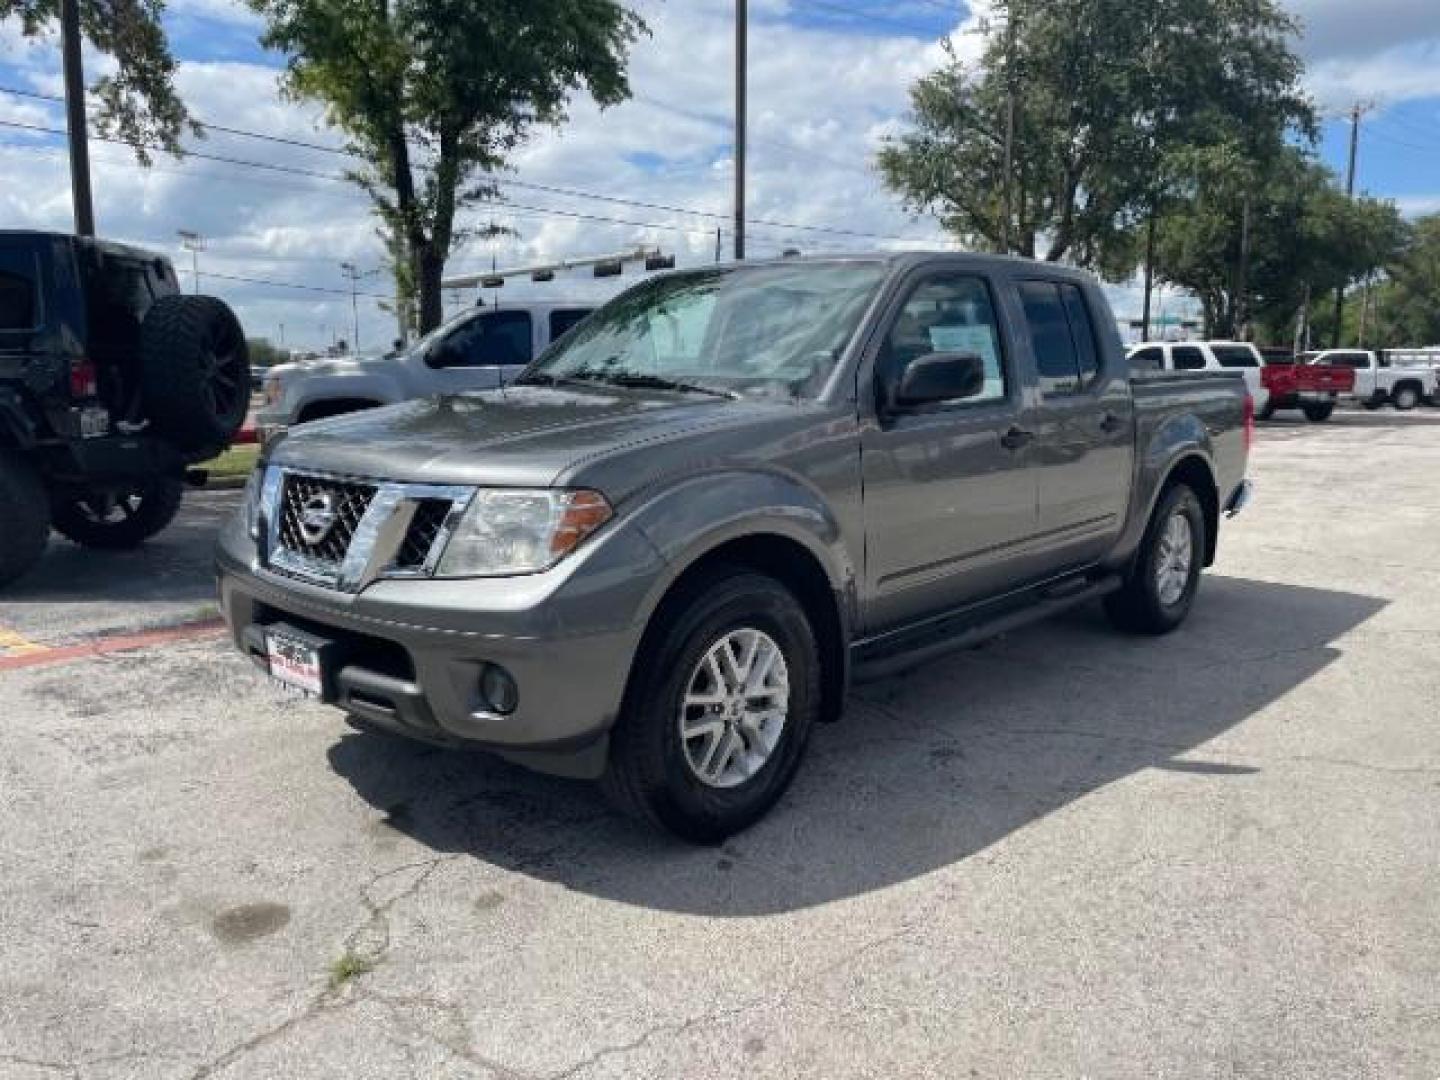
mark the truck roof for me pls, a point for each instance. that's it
(110, 247)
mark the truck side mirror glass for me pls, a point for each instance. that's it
(939, 377)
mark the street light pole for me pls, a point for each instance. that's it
(351, 271)
(84, 207)
(194, 243)
(742, 18)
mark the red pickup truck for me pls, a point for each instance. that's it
(1312, 388)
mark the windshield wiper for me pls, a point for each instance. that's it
(637, 381)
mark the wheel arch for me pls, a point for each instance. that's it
(1194, 471)
(325, 408)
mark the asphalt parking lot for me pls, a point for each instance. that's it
(1065, 854)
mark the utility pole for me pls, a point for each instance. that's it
(742, 30)
(84, 206)
(1356, 111)
(1242, 273)
(1007, 198)
(351, 271)
(719, 243)
(1149, 275)
(194, 243)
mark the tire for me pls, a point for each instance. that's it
(113, 522)
(25, 511)
(1142, 605)
(1318, 414)
(1265, 413)
(1405, 397)
(195, 376)
(659, 776)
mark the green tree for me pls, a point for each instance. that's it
(1406, 307)
(1103, 92)
(138, 104)
(434, 96)
(1306, 239)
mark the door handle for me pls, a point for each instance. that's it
(1111, 423)
(1015, 438)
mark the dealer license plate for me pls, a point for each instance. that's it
(294, 664)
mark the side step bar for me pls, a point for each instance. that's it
(876, 660)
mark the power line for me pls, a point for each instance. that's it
(286, 285)
(553, 189)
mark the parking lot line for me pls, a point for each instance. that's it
(41, 655)
(13, 644)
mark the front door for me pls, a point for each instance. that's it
(949, 492)
(1084, 427)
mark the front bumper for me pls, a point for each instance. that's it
(407, 656)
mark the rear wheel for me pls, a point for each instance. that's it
(1161, 586)
(723, 696)
(24, 512)
(1405, 397)
(117, 520)
(1320, 412)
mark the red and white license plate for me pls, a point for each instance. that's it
(294, 664)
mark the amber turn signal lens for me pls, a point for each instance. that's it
(585, 512)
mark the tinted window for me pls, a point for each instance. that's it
(496, 337)
(1187, 358)
(1350, 360)
(1151, 358)
(1234, 356)
(562, 321)
(1082, 332)
(945, 315)
(1062, 335)
(18, 274)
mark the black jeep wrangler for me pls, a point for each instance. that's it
(112, 384)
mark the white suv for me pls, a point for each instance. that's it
(1238, 356)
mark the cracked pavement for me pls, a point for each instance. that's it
(1062, 854)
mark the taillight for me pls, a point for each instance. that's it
(84, 383)
(1249, 422)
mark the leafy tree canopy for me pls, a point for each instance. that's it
(138, 103)
(436, 94)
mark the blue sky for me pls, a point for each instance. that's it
(828, 84)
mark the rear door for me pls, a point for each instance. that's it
(949, 490)
(1084, 430)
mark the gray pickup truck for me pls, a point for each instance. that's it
(661, 556)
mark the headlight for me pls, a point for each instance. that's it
(250, 504)
(511, 531)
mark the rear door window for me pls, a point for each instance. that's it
(561, 321)
(19, 291)
(501, 338)
(1235, 356)
(1187, 358)
(1062, 335)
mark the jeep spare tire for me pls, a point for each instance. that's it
(195, 372)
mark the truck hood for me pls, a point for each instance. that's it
(523, 436)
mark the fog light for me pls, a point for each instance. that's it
(498, 690)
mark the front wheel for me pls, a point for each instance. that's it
(1161, 586)
(1319, 413)
(115, 521)
(723, 695)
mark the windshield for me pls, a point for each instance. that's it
(752, 331)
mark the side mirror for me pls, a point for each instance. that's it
(940, 377)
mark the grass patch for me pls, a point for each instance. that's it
(234, 464)
(350, 966)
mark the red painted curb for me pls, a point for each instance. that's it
(116, 643)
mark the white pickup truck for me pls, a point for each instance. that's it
(479, 349)
(1379, 380)
(1238, 356)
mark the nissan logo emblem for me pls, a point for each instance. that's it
(317, 517)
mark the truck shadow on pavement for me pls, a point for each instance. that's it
(925, 770)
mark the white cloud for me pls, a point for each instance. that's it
(1404, 73)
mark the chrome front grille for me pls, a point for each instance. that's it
(345, 532)
(319, 516)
